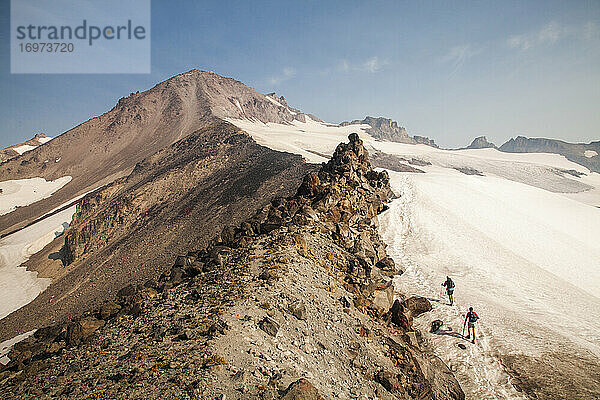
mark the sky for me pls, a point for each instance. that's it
(448, 70)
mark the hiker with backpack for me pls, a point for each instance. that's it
(470, 319)
(449, 284)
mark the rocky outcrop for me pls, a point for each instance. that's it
(585, 154)
(394, 163)
(481, 142)
(425, 140)
(18, 149)
(387, 130)
(384, 129)
(279, 306)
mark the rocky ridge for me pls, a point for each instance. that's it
(167, 172)
(481, 142)
(294, 303)
(585, 154)
(128, 231)
(9, 152)
(387, 130)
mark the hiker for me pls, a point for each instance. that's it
(449, 284)
(470, 318)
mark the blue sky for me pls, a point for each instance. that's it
(447, 70)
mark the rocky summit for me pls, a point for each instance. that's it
(296, 302)
(387, 130)
(481, 142)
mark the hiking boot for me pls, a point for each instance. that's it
(468, 336)
(473, 341)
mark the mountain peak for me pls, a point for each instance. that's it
(384, 129)
(481, 142)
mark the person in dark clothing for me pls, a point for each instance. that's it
(449, 284)
(470, 319)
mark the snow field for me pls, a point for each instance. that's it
(17, 285)
(22, 192)
(443, 224)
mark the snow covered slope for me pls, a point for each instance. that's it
(22, 192)
(517, 232)
(19, 286)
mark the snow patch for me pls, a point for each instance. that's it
(22, 192)
(304, 138)
(17, 285)
(239, 106)
(8, 344)
(43, 140)
(274, 101)
(23, 148)
(590, 153)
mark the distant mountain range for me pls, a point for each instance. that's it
(586, 154)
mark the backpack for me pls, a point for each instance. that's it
(450, 284)
(473, 317)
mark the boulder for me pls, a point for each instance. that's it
(177, 274)
(109, 310)
(400, 317)
(298, 310)
(79, 331)
(228, 234)
(217, 254)
(417, 305)
(383, 298)
(388, 380)
(301, 389)
(442, 382)
(182, 261)
(386, 264)
(269, 325)
(363, 248)
(127, 291)
(311, 185)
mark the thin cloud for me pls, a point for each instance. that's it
(550, 34)
(287, 74)
(457, 56)
(371, 65)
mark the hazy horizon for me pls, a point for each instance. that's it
(449, 73)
